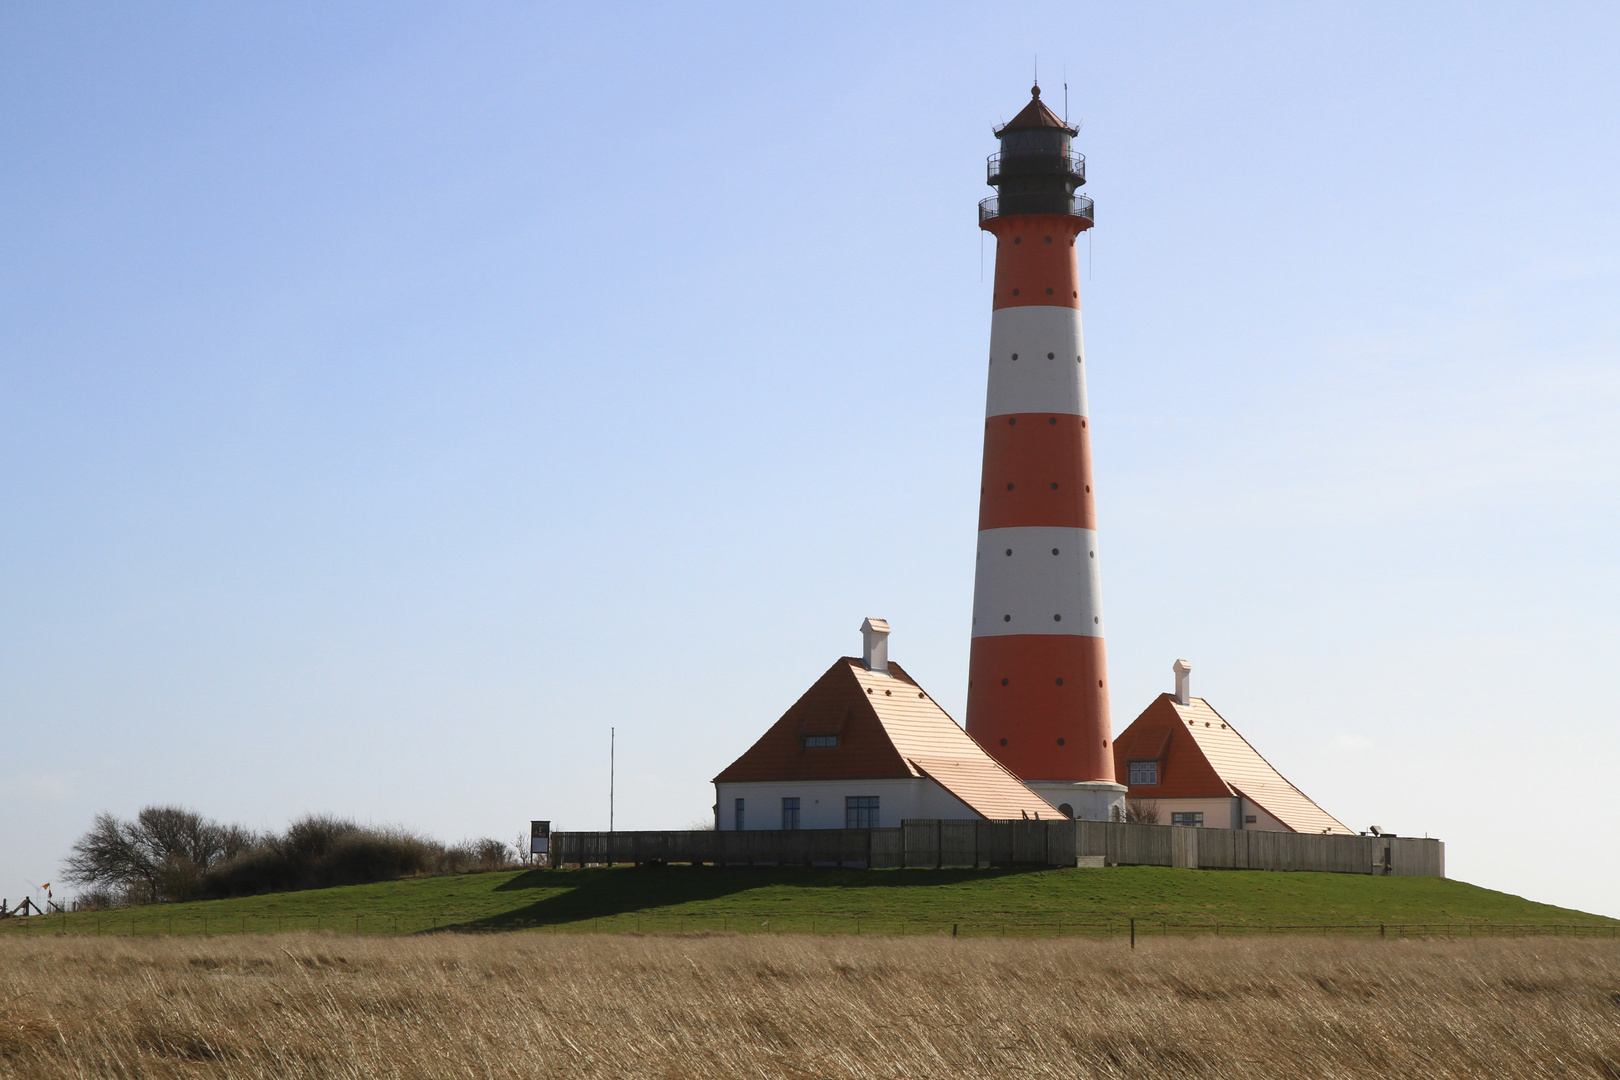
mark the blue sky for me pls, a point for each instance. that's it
(393, 398)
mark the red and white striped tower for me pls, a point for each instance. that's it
(1037, 679)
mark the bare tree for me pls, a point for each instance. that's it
(1141, 811)
(108, 856)
(161, 855)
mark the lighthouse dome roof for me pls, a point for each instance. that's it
(1034, 117)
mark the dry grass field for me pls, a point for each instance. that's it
(520, 1005)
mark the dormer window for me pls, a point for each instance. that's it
(1143, 772)
(820, 740)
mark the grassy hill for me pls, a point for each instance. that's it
(676, 899)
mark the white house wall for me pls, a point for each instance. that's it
(1262, 820)
(1218, 813)
(1222, 813)
(821, 802)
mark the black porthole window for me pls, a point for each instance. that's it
(1060, 682)
(1012, 421)
(1006, 618)
(888, 693)
(1057, 618)
(1009, 551)
(1051, 356)
(1097, 619)
(1018, 239)
(1005, 682)
(1048, 292)
(1015, 292)
(1003, 742)
(1054, 485)
(1054, 551)
(1093, 554)
(1009, 487)
(1060, 742)
(1015, 356)
(1048, 239)
(1052, 421)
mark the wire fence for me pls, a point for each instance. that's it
(142, 923)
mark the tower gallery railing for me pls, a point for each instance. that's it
(1067, 206)
(1035, 163)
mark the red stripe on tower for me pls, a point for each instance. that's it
(1038, 676)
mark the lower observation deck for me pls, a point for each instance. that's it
(1077, 206)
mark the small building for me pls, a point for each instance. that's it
(1191, 764)
(866, 747)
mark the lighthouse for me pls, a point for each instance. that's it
(1037, 676)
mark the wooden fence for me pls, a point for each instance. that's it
(1011, 843)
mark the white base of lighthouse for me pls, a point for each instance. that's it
(1083, 800)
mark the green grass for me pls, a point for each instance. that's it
(679, 898)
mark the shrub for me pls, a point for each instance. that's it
(171, 854)
(1142, 811)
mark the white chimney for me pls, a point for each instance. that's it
(875, 645)
(1183, 672)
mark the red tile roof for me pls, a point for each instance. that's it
(1201, 755)
(887, 726)
(1035, 117)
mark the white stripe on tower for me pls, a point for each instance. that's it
(1036, 361)
(1037, 579)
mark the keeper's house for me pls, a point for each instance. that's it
(1187, 761)
(866, 747)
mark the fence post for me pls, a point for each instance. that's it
(1133, 933)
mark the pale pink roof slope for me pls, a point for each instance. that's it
(935, 746)
(1248, 774)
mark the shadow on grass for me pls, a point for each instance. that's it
(602, 891)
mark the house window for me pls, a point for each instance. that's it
(790, 813)
(821, 740)
(1195, 818)
(739, 818)
(860, 811)
(1249, 819)
(1144, 772)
